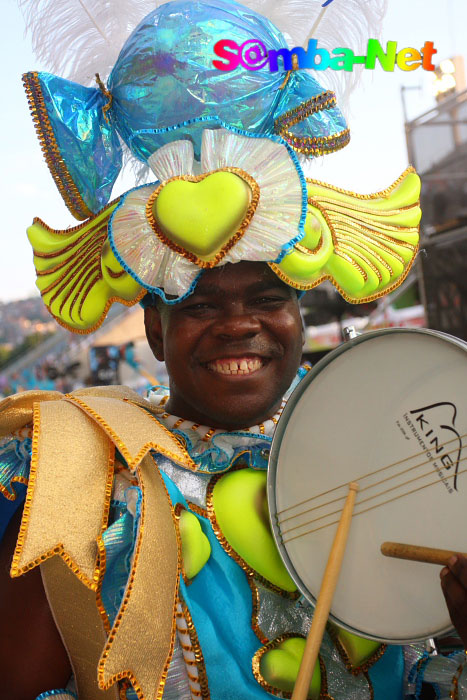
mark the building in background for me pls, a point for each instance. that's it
(437, 147)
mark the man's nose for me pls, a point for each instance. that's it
(236, 322)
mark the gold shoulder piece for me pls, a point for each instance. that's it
(69, 490)
(17, 411)
(66, 512)
(132, 429)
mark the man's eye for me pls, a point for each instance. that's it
(269, 300)
(201, 306)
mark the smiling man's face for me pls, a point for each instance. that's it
(231, 348)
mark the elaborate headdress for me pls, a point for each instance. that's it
(225, 149)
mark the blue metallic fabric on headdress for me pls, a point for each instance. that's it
(81, 148)
(163, 77)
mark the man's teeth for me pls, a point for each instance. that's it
(245, 366)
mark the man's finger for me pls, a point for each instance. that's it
(454, 593)
(458, 566)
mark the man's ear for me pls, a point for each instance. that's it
(153, 326)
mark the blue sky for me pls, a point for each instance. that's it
(375, 157)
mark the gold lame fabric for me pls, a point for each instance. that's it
(68, 493)
(16, 411)
(132, 429)
(141, 642)
(65, 513)
(80, 625)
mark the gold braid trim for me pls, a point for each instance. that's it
(45, 133)
(81, 250)
(316, 145)
(100, 321)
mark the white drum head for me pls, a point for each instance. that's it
(393, 397)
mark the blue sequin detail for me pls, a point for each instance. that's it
(51, 693)
(15, 461)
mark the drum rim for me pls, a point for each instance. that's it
(274, 453)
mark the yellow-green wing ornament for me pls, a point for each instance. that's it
(247, 199)
(77, 273)
(364, 244)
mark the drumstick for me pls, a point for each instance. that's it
(326, 594)
(429, 555)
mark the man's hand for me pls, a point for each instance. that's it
(454, 585)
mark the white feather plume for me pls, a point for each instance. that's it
(78, 38)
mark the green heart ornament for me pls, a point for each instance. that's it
(196, 549)
(202, 217)
(360, 652)
(240, 505)
(279, 667)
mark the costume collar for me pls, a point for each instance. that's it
(215, 450)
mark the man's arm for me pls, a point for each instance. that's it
(32, 656)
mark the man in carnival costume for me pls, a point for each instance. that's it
(160, 574)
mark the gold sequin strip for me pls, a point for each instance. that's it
(198, 510)
(128, 674)
(133, 461)
(205, 264)
(106, 94)
(315, 145)
(325, 100)
(61, 176)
